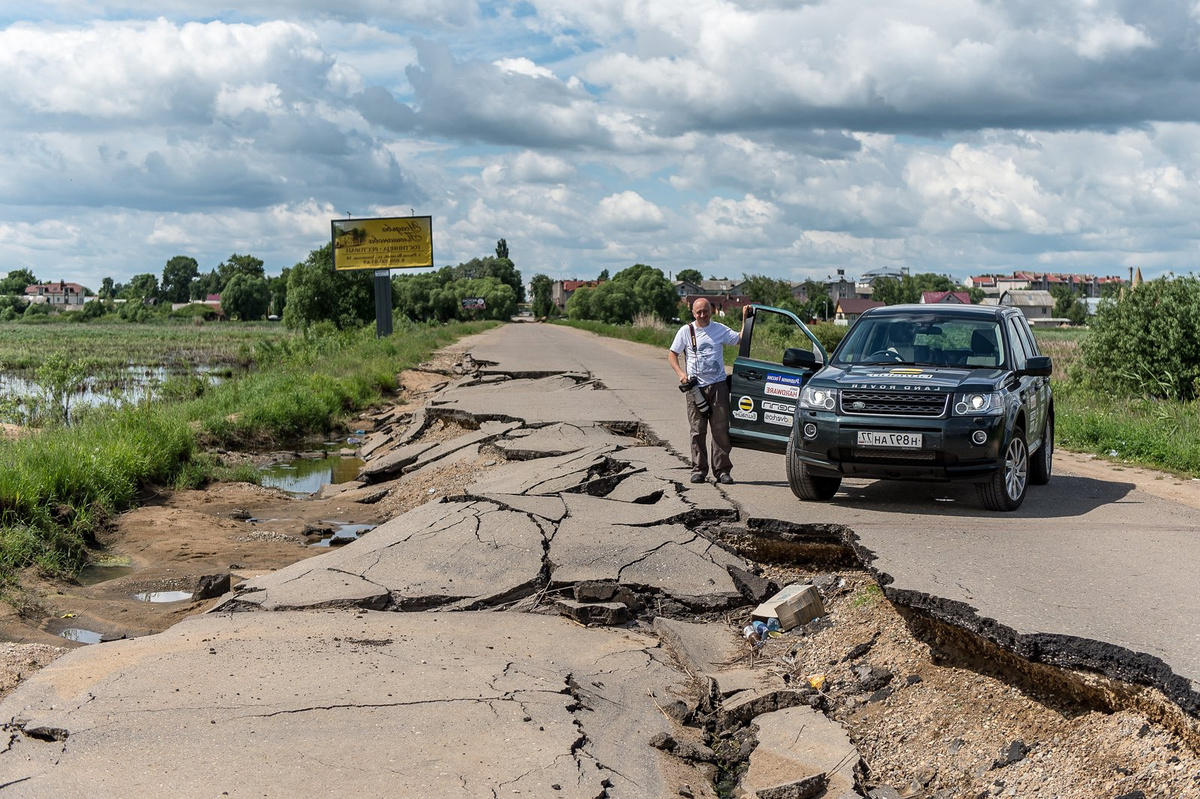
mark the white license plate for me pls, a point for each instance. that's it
(868, 438)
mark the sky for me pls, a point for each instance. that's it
(787, 138)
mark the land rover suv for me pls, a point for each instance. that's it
(913, 392)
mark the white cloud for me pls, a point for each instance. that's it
(628, 210)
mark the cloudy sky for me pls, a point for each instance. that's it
(783, 137)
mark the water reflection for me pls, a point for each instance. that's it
(163, 596)
(307, 475)
(343, 533)
(80, 635)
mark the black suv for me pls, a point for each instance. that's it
(913, 392)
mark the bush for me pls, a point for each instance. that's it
(1146, 343)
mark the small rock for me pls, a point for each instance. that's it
(861, 649)
(880, 695)
(238, 513)
(1132, 795)
(871, 678)
(883, 792)
(663, 741)
(1013, 753)
(807, 788)
(695, 752)
(955, 745)
(686, 792)
(912, 679)
(606, 613)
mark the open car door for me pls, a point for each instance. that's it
(778, 353)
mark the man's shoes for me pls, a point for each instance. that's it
(724, 479)
(697, 477)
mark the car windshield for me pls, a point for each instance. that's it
(923, 340)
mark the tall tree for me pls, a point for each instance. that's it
(315, 292)
(502, 249)
(16, 281)
(766, 290)
(246, 297)
(693, 276)
(107, 291)
(177, 278)
(206, 284)
(141, 287)
(652, 292)
(542, 289)
(240, 265)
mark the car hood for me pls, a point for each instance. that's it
(909, 378)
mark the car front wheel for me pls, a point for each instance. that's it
(1005, 491)
(805, 485)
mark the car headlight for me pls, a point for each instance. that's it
(978, 404)
(818, 399)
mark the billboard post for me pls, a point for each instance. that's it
(382, 244)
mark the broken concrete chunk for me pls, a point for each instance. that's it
(754, 588)
(793, 606)
(797, 744)
(805, 788)
(211, 585)
(605, 613)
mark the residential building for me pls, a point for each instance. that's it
(60, 293)
(934, 297)
(561, 290)
(1036, 305)
(850, 308)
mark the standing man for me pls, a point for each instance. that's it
(702, 344)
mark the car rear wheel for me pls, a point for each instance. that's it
(1005, 490)
(1042, 462)
(805, 485)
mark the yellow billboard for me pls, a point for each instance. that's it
(392, 243)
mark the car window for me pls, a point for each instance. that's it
(774, 332)
(1017, 343)
(924, 339)
(1026, 335)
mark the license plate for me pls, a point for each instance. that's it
(868, 438)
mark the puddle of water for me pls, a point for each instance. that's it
(80, 635)
(95, 573)
(307, 475)
(343, 534)
(163, 596)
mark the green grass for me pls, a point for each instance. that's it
(59, 486)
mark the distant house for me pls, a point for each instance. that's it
(561, 290)
(1037, 306)
(60, 293)
(954, 297)
(685, 288)
(850, 308)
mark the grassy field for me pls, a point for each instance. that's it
(1161, 434)
(59, 485)
(104, 345)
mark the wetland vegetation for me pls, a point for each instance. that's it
(62, 479)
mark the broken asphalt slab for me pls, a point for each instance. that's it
(377, 704)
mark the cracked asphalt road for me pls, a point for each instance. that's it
(327, 667)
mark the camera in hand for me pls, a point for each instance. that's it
(692, 387)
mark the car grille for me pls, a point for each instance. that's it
(894, 403)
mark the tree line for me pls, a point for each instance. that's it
(302, 295)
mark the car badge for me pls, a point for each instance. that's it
(858, 405)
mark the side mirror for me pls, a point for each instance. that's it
(1038, 366)
(797, 358)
